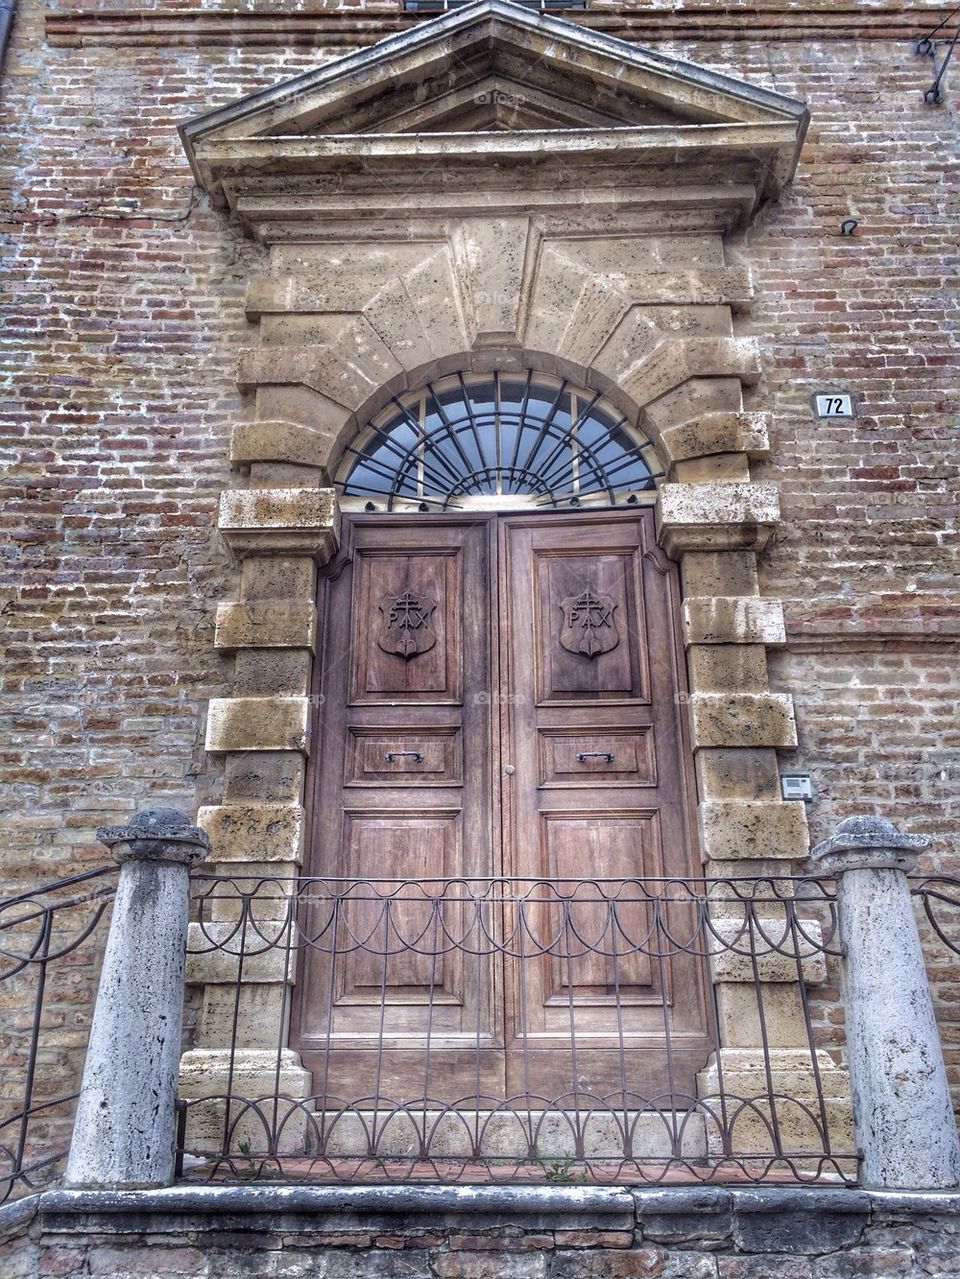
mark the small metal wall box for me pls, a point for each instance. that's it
(796, 786)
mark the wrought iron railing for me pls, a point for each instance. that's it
(516, 1030)
(50, 944)
(471, 1030)
(939, 899)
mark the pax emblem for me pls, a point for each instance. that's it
(588, 624)
(406, 624)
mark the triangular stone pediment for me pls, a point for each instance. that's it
(495, 101)
(496, 82)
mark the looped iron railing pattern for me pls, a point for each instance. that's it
(50, 940)
(939, 899)
(606, 958)
(778, 1117)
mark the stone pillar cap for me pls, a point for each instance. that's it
(156, 834)
(865, 842)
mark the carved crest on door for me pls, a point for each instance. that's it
(406, 624)
(589, 626)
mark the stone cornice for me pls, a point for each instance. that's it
(235, 167)
(342, 29)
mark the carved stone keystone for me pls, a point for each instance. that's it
(123, 1134)
(901, 1102)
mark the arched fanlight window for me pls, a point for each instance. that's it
(488, 440)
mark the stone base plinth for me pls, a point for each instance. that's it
(444, 1232)
(773, 1106)
(266, 1101)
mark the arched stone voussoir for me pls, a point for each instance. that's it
(692, 399)
(642, 328)
(677, 360)
(491, 257)
(571, 308)
(417, 314)
(345, 361)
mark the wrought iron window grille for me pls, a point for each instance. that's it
(498, 440)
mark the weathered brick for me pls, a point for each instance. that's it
(593, 1238)
(515, 1241)
(490, 1265)
(139, 1259)
(56, 1261)
(638, 1263)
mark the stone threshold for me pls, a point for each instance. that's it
(813, 1220)
(450, 1204)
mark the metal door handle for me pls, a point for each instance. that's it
(583, 756)
(414, 755)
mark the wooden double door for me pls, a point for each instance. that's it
(499, 696)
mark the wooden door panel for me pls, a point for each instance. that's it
(425, 756)
(597, 952)
(599, 794)
(601, 955)
(415, 846)
(614, 844)
(402, 791)
(607, 757)
(589, 628)
(407, 640)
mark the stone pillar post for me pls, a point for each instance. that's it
(123, 1134)
(901, 1103)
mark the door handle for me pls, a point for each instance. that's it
(583, 756)
(414, 755)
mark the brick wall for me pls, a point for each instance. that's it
(123, 321)
(122, 327)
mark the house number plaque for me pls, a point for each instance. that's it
(833, 405)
